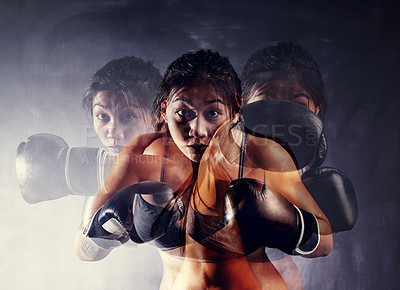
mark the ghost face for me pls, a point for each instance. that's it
(117, 120)
(285, 88)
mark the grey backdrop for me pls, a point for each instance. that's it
(49, 49)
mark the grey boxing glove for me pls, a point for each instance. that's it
(48, 169)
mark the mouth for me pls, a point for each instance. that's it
(115, 149)
(198, 148)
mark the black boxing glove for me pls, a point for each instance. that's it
(112, 224)
(48, 169)
(320, 153)
(334, 193)
(294, 127)
(267, 219)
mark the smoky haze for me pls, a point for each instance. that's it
(49, 50)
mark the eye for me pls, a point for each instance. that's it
(214, 113)
(127, 117)
(303, 100)
(103, 117)
(302, 104)
(183, 113)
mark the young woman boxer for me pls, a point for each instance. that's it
(219, 188)
(119, 98)
(286, 72)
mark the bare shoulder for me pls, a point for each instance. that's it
(133, 166)
(157, 147)
(266, 154)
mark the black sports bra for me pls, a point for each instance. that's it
(174, 236)
(204, 229)
(210, 231)
(213, 232)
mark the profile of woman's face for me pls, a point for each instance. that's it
(117, 121)
(285, 88)
(193, 114)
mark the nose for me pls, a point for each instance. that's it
(198, 128)
(114, 130)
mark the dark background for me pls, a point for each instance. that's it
(49, 49)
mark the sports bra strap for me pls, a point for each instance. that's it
(162, 174)
(242, 148)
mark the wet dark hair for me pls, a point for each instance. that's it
(279, 59)
(129, 78)
(192, 68)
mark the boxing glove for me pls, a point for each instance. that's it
(48, 169)
(294, 127)
(267, 219)
(320, 153)
(114, 223)
(334, 193)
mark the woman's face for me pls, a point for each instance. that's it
(117, 121)
(193, 115)
(286, 88)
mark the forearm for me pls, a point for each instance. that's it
(125, 172)
(326, 240)
(291, 187)
(318, 230)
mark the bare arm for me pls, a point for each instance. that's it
(282, 175)
(132, 167)
(128, 169)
